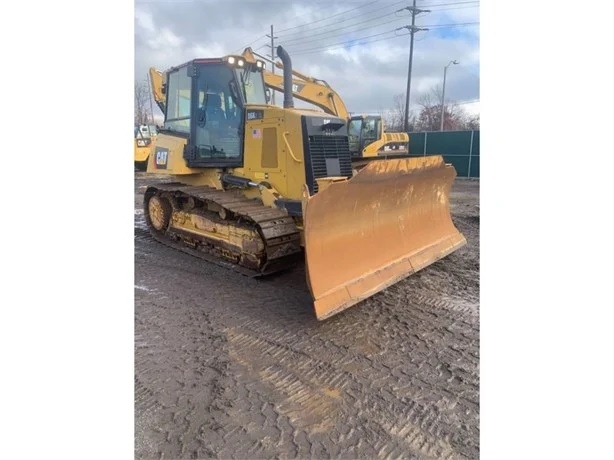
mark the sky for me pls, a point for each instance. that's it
(359, 47)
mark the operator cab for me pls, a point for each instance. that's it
(142, 136)
(362, 131)
(206, 101)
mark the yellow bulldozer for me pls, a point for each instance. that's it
(260, 188)
(367, 136)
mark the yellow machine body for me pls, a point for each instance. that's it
(381, 147)
(141, 153)
(275, 144)
(295, 191)
(142, 149)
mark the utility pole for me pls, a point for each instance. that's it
(272, 45)
(412, 30)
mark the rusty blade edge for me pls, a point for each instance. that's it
(461, 241)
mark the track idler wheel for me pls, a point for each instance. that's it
(160, 211)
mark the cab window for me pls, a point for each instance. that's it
(178, 95)
(218, 115)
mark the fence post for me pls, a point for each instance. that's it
(425, 135)
(470, 152)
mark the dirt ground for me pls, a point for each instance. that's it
(232, 367)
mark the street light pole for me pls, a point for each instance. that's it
(443, 95)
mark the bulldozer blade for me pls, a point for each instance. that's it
(368, 232)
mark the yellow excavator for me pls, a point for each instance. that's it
(259, 188)
(367, 137)
(143, 143)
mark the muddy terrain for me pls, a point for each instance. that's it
(232, 367)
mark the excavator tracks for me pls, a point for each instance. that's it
(223, 227)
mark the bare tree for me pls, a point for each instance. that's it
(142, 110)
(472, 122)
(428, 115)
(395, 119)
(455, 118)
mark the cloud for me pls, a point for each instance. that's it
(356, 48)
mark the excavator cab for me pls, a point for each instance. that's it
(364, 130)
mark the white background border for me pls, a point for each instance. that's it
(547, 368)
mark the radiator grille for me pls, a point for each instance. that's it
(330, 156)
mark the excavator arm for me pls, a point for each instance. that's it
(157, 87)
(305, 88)
(308, 89)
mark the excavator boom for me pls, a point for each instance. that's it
(307, 89)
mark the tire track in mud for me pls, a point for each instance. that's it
(395, 377)
(306, 389)
(319, 395)
(422, 361)
(178, 382)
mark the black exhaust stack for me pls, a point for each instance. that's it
(285, 59)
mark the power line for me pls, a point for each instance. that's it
(311, 29)
(337, 33)
(249, 44)
(289, 37)
(341, 45)
(351, 42)
(431, 5)
(324, 26)
(328, 17)
(458, 24)
(436, 10)
(324, 47)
